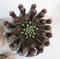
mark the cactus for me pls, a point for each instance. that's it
(28, 33)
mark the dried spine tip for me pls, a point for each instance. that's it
(20, 6)
(6, 22)
(48, 27)
(13, 14)
(49, 21)
(9, 25)
(22, 9)
(44, 10)
(47, 43)
(49, 35)
(33, 6)
(41, 14)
